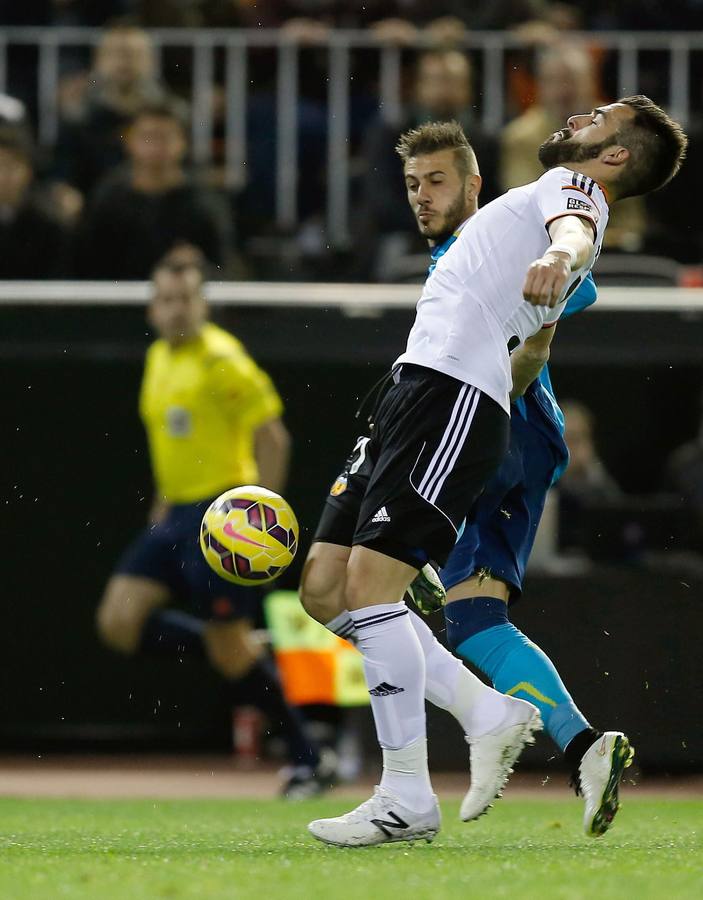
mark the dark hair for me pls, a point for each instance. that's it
(435, 136)
(177, 268)
(657, 146)
(162, 109)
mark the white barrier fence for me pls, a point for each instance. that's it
(353, 299)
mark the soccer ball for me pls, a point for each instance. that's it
(249, 535)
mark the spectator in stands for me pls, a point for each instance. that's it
(21, 60)
(124, 79)
(141, 211)
(443, 90)
(566, 80)
(586, 477)
(586, 480)
(14, 119)
(32, 240)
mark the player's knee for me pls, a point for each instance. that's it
(322, 590)
(369, 582)
(468, 617)
(232, 649)
(125, 606)
(116, 628)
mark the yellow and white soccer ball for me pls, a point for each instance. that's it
(249, 535)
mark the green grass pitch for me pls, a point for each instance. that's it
(145, 850)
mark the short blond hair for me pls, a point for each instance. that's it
(435, 136)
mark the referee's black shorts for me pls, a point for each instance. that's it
(407, 488)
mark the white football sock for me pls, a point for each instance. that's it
(343, 626)
(395, 673)
(400, 775)
(448, 683)
(451, 686)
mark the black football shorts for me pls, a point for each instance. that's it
(406, 489)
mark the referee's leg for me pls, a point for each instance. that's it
(126, 605)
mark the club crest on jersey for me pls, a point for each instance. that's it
(575, 203)
(178, 421)
(339, 487)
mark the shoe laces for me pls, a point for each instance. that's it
(370, 807)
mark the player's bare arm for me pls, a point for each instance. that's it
(548, 276)
(272, 451)
(528, 360)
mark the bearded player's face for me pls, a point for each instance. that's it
(585, 136)
(437, 193)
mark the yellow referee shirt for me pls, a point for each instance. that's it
(201, 404)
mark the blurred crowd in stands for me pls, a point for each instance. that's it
(118, 188)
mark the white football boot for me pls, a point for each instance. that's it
(493, 755)
(380, 820)
(599, 775)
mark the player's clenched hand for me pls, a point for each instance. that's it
(546, 279)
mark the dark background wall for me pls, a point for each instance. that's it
(76, 487)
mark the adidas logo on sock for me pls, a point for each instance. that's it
(381, 515)
(385, 690)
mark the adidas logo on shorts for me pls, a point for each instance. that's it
(381, 515)
(385, 690)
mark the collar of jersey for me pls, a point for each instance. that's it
(440, 249)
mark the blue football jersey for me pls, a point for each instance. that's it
(539, 404)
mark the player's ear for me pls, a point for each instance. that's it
(473, 187)
(616, 155)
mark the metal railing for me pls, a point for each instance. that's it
(236, 44)
(353, 299)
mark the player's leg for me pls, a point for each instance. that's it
(253, 679)
(485, 570)
(323, 580)
(323, 584)
(227, 612)
(125, 607)
(400, 526)
(479, 629)
(131, 617)
(449, 685)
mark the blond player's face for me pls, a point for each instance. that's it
(178, 308)
(439, 197)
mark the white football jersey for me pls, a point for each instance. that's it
(472, 306)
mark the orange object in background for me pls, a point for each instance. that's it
(316, 666)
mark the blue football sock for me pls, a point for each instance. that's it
(480, 632)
